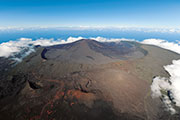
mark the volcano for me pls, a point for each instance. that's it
(85, 80)
(92, 52)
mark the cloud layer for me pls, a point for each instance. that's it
(118, 28)
(168, 88)
(12, 48)
(164, 44)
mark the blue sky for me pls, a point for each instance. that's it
(145, 13)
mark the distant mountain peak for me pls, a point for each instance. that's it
(93, 52)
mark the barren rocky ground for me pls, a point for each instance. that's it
(85, 80)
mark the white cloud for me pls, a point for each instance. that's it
(167, 84)
(25, 39)
(95, 27)
(159, 84)
(102, 39)
(12, 48)
(174, 71)
(9, 48)
(164, 44)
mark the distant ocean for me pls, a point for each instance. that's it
(6, 36)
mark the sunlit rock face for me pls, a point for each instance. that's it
(86, 80)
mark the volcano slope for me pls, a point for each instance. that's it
(85, 80)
